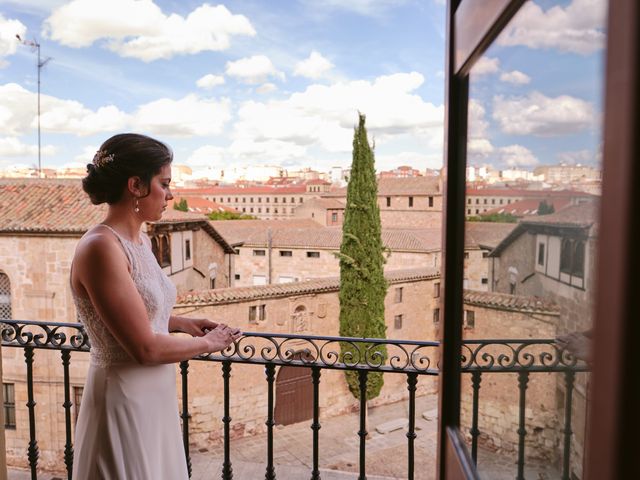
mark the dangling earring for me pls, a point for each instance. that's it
(136, 207)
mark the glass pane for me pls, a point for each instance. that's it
(532, 202)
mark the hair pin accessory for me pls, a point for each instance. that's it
(102, 158)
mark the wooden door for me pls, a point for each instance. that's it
(294, 395)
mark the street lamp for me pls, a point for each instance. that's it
(41, 63)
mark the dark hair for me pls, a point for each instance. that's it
(121, 157)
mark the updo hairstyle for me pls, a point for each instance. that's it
(121, 157)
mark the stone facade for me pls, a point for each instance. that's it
(530, 261)
(300, 264)
(498, 410)
(297, 309)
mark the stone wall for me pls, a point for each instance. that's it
(300, 266)
(576, 306)
(499, 393)
(320, 317)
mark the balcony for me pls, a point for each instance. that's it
(525, 368)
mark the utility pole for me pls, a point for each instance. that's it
(41, 63)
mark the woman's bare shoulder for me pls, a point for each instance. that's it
(98, 244)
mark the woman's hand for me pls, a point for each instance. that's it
(196, 327)
(221, 337)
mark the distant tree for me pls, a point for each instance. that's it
(230, 216)
(181, 205)
(362, 284)
(494, 217)
(545, 208)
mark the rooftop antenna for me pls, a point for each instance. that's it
(35, 46)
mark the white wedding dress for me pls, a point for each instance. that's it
(128, 426)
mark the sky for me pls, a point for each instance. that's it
(251, 82)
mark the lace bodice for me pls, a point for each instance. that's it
(156, 290)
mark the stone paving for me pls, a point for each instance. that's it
(386, 454)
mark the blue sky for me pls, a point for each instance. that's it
(250, 82)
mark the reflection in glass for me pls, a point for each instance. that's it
(533, 189)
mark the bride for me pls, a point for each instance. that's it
(128, 425)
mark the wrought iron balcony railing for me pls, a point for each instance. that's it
(410, 358)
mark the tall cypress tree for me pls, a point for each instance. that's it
(362, 284)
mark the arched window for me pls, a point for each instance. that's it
(5, 297)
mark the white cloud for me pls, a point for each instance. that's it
(9, 28)
(363, 7)
(476, 118)
(313, 67)
(578, 156)
(67, 116)
(266, 88)
(208, 156)
(517, 156)
(537, 114)
(268, 150)
(418, 160)
(18, 114)
(252, 70)
(323, 117)
(13, 147)
(139, 28)
(479, 149)
(188, 116)
(577, 28)
(516, 77)
(485, 66)
(86, 156)
(210, 81)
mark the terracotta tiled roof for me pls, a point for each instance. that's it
(326, 203)
(530, 206)
(241, 294)
(417, 240)
(576, 217)
(582, 215)
(61, 206)
(202, 205)
(504, 301)
(486, 234)
(387, 186)
(409, 186)
(317, 181)
(46, 206)
(229, 190)
(237, 231)
(522, 192)
(171, 215)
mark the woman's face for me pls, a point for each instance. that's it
(152, 206)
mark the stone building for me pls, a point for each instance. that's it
(297, 250)
(411, 202)
(483, 200)
(328, 212)
(261, 201)
(495, 316)
(307, 308)
(553, 257)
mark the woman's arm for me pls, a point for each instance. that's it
(101, 267)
